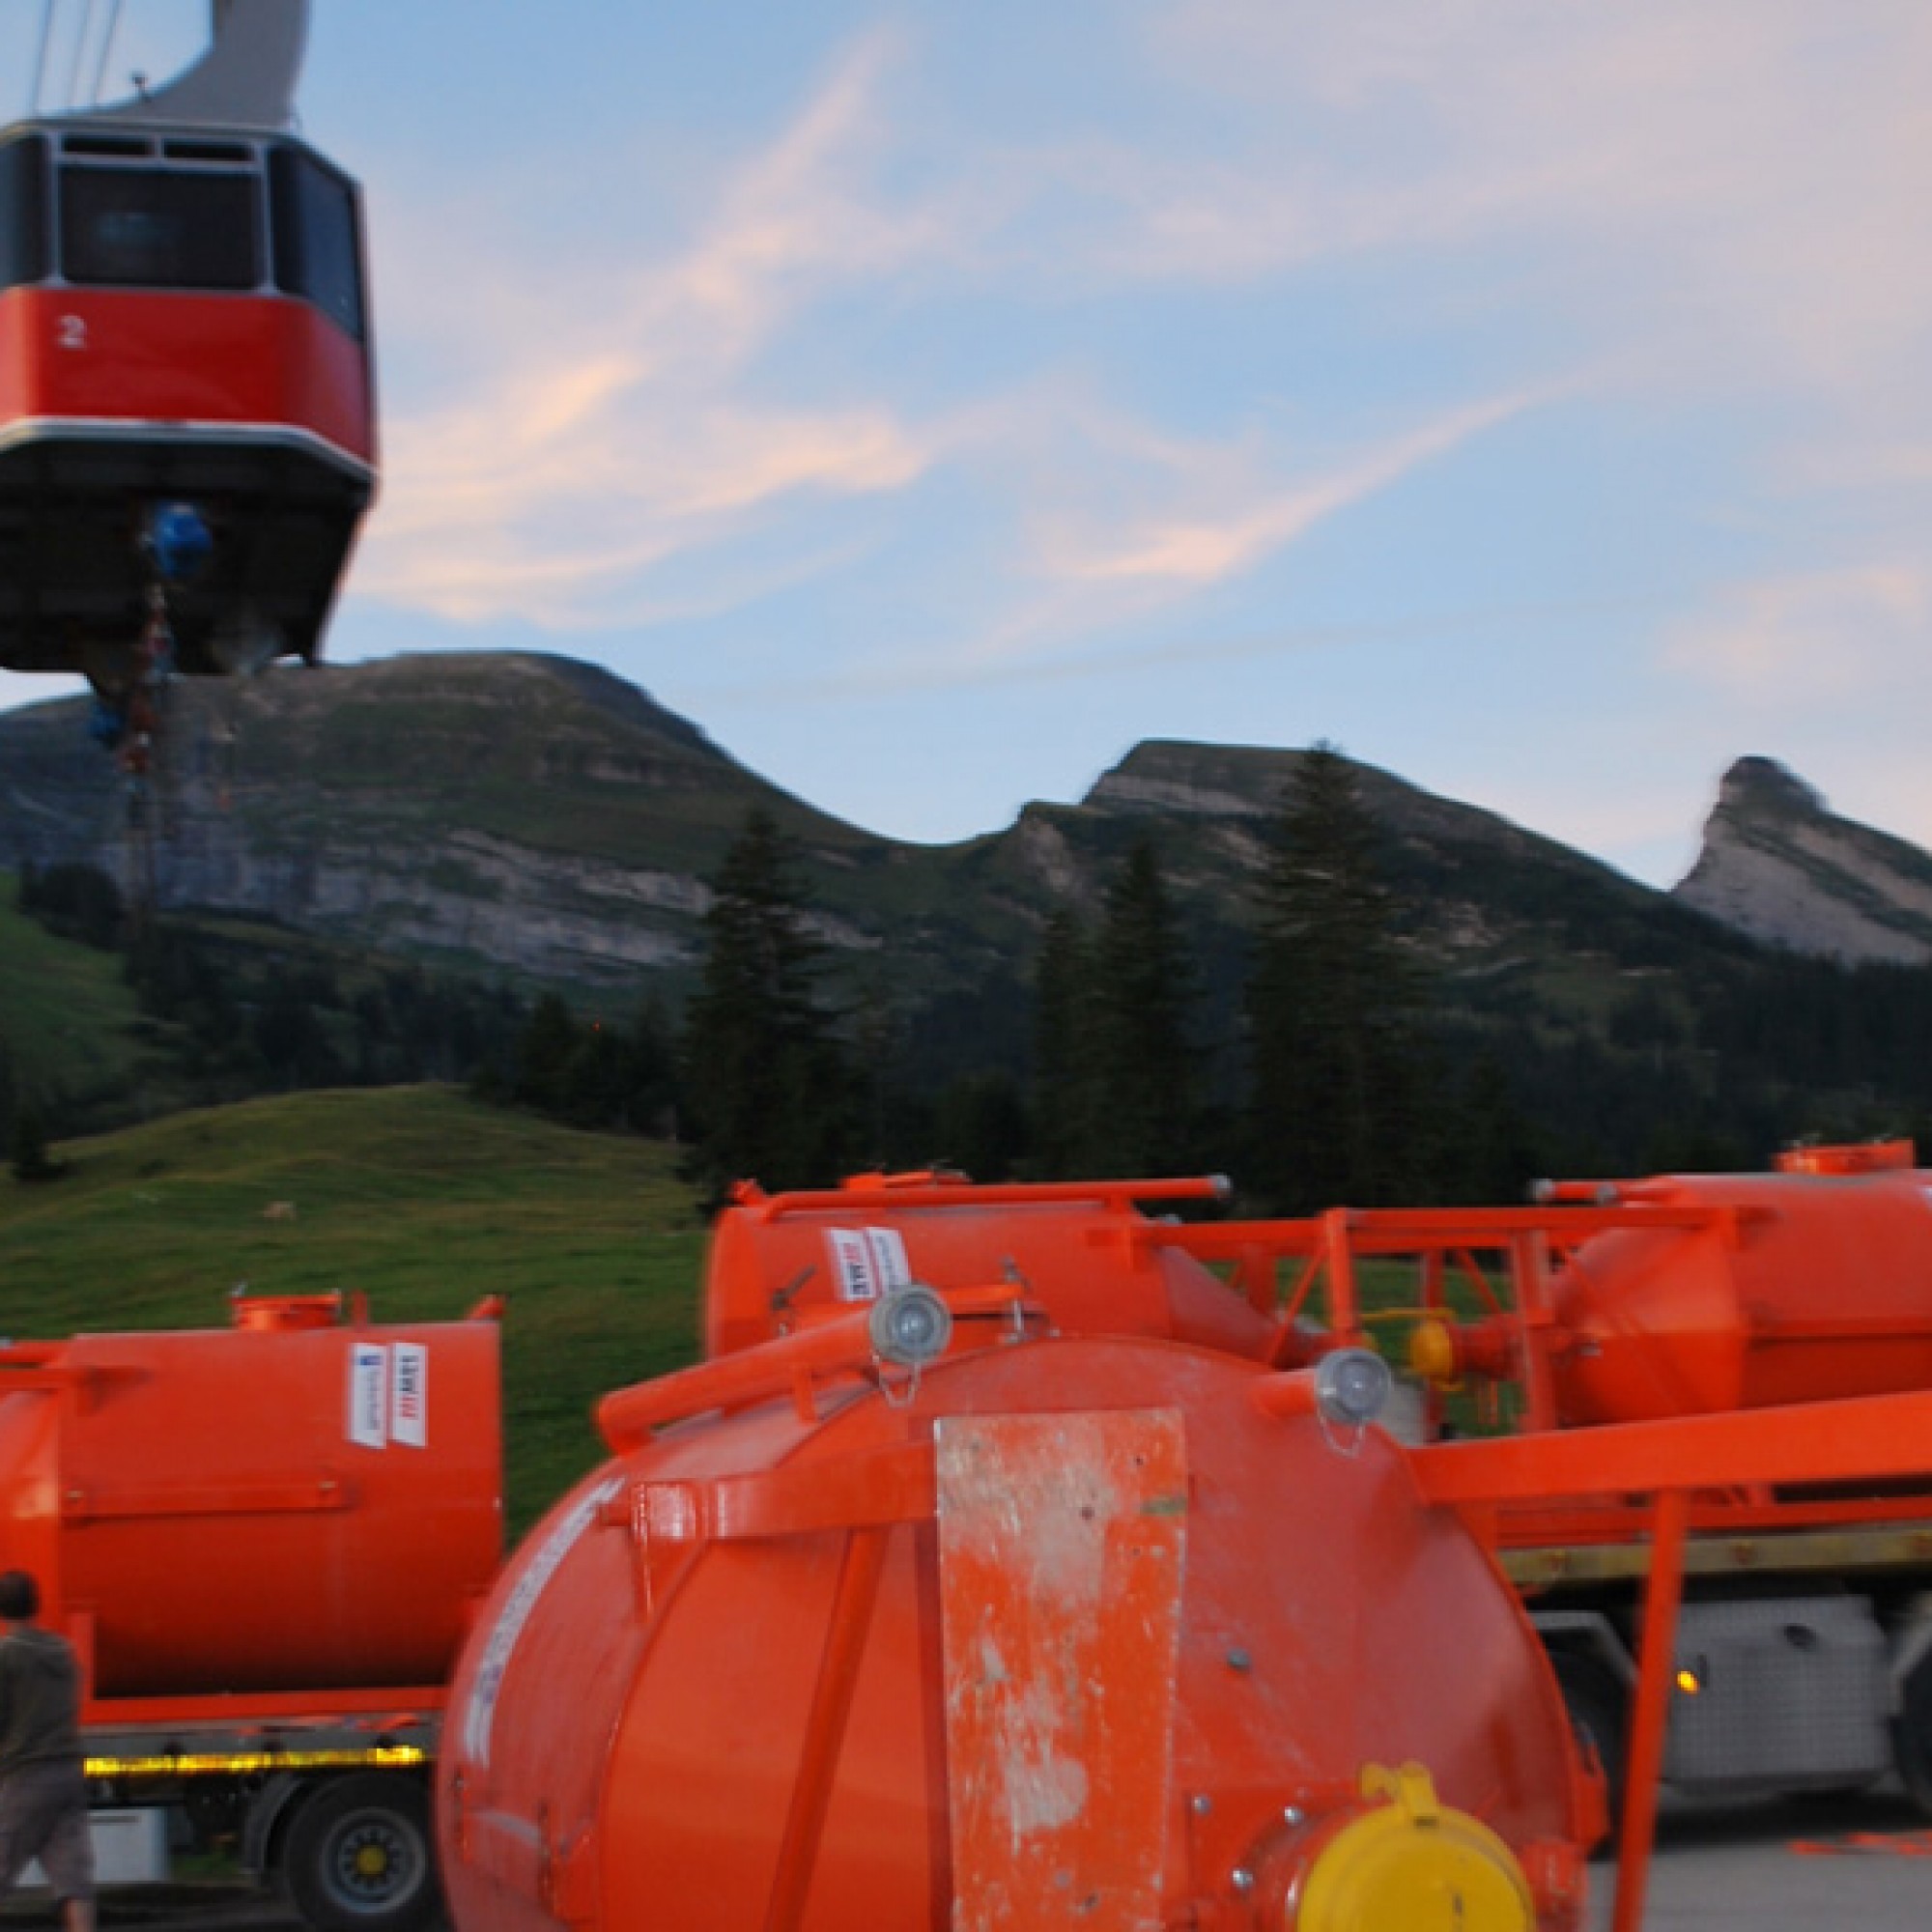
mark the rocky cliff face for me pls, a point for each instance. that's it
(534, 817)
(523, 813)
(1778, 864)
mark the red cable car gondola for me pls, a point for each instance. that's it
(184, 336)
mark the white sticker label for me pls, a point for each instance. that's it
(480, 1715)
(851, 1256)
(866, 1263)
(368, 1394)
(408, 1394)
(889, 1258)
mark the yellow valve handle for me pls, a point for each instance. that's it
(1432, 1353)
(1413, 1862)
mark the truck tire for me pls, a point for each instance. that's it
(1600, 1715)
(1912, 1735)
(358, 1859)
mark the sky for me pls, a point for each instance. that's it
(932, 401)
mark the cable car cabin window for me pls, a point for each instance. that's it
(23, 212)
(316, 251)
(106, 144)
(204, 151)
(159, 228)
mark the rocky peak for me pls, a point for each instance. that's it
(1194, 781)
(1761, 788)
(1779, 864)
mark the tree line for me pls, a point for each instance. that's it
(225, 1016)
(1331, 1061)
(1334, 1088)
(1345, 1068)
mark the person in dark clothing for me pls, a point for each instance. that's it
(43, 1782)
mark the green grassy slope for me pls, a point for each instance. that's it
(68, 1018)
(418, 1198)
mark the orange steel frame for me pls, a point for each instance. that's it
(1863, 1439)
(1546, 1486)
(865, 1497)
(1505, 1258)
(1869, 1437)
(1655, 1482)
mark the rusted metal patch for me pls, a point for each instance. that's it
(1061, 1545)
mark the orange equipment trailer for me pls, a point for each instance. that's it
(266, 1543)
(1016, 1549)
(1804, 1656)
(1037, 1598)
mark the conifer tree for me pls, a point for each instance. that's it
(768, 1094)
(28, 1144)
(1113, 1073)
(979, 1125)
(1144, 982)
(1065, 1091)
(547, 1052)
(651, 1074)
(1338, 1081)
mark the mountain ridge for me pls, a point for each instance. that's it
(533, 813)
(1779, 864)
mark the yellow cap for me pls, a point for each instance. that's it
(1432, 1352)
(1416, 1863)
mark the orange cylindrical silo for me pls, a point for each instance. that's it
(1053, 1629)
(1799, 1285)
(1075, 1249)
(294, 1503)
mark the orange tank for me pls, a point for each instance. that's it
(924, 1615)
(1079, 1249)
(1801, 1286)
(299, 1502)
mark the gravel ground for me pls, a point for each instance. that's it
(1863, 1865)
(1844, 1865)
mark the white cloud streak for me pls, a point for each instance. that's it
(577, 455)
(577, 449)
(1735, 191)
(1195, 546)
(1719, 203)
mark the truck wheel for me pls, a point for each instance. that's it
(1912, 1735)
(1600, 1715)
(358, 1856)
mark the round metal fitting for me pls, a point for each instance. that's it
(1352, 1386)
(910, 1326)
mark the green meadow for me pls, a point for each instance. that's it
(416, 1198)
